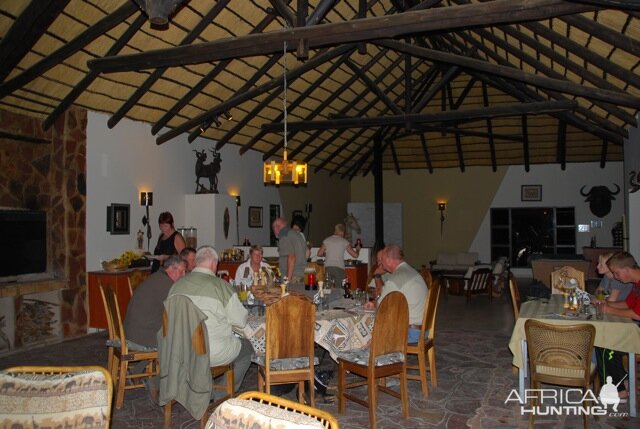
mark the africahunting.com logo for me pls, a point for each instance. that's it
(552, 402)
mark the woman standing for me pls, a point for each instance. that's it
(170, 241)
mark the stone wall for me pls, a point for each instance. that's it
(52, 177)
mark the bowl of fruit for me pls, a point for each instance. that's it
(128, 259)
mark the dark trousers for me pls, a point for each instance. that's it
(610, 364)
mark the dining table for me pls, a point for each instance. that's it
(612, 332)
(343, 327)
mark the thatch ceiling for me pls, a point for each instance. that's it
(451, 83)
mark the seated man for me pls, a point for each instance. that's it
(220, 303)
(404, 278)
(144, 313)
(188, 254)
(254, 265)
(624, 269)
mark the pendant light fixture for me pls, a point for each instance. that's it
(290, 172)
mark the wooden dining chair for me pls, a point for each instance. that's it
(481, 281)
(289, 342)
(385, 357)
(199, 347)
(560, 276)
(560, 355)
(515, 296)
(425, 348)
(120, 356)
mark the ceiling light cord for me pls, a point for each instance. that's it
(284, 96)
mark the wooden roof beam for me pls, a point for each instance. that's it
(562, 144)
(492, 146)
(373, 87)
(587, 55)
(419, 21)
(197, 88)
(157, 73)
(615, 97)
(600, 126)
(425, 151)
(69, 48)
(91, 75)
(196, 132)
(603, 155)
(25, 31)
(248, 95)
(554, 56)
(604, 33)
(283, 9)
(507, 109)
(525, 143)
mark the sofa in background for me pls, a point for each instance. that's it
(454, 263)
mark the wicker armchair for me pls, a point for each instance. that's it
(560, 355)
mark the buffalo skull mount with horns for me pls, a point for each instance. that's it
(599, 199)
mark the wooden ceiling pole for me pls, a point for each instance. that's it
(603, 155)
(604, 127)
(492, 145)
(157, 73)
(425, 150)
(381, 133)
(394, 156)
(303, 96)
(366, 108)
(314, 136)
(615, 97)
(463, 95)
(562, 145)
(25, 31)
(344, 145)
(604, 33)
(302, 12)
(539, 66)
(507, 109)
(196, 132)
(69, 48)
(282, 9)
(432, 19)
(458, 139)
(241, 98)
(22, 138)
(197, 88)
(373, 87)
(317, 15)
(587, 55)
(91, 75)
(525, 143)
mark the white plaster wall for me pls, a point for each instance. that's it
(632, 164)
(124, 161)
(559, 189)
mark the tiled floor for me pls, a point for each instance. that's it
(474, 378)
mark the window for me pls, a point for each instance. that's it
(517, 233)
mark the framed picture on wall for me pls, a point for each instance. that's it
(255, 217)
(531, 193)
(118, 219)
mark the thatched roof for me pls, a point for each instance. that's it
(439, 84)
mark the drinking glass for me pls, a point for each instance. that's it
(599, 305)
(243, 291)
(372, 293)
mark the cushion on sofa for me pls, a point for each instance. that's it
(466, 258)
(447, 259)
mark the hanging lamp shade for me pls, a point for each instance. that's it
(285, 172)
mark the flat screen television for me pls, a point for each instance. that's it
(23, 242)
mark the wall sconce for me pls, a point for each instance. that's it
(146, 200)
(442, 207)
(238, 219)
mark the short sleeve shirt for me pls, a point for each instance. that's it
(633, 300)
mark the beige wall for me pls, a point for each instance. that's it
(468, 196)
(329, 196)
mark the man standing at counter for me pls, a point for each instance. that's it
(291, 251)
